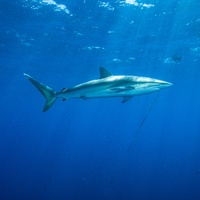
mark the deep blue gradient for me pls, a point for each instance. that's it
(99, 149)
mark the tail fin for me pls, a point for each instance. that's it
(46, 91)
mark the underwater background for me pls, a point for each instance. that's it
(145, 149)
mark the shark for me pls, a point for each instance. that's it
(107, 85)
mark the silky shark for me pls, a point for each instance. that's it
(106, 86)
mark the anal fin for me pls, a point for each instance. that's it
(83, 97)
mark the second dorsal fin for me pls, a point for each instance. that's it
(104, 73)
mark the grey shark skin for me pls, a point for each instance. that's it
(106, 86)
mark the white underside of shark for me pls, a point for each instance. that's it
(106, 86)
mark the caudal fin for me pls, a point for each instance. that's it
(46, 91)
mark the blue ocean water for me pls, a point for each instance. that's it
(145, 149)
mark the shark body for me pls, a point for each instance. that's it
(106, 86)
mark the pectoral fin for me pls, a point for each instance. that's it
(125, 99)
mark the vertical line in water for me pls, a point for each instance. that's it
(136, 135)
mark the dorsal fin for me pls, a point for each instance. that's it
(104, 73)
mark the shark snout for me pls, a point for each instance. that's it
(164, 84)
